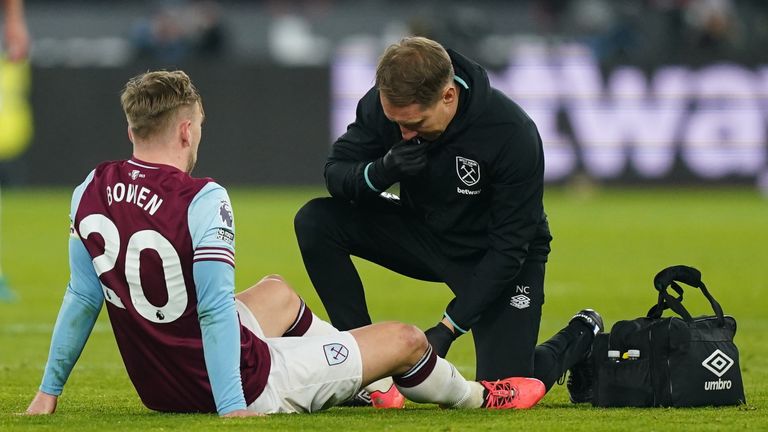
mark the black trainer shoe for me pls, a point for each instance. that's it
(581, 377)
(591, 318)
(361, 399)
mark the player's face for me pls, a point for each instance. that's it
(427, 122)
(196, 132)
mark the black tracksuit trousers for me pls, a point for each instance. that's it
(330, 230)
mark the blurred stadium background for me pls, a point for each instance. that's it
(628, 91)
(653, 115)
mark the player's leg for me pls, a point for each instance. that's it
(280, 311)
(330, 230)
(316, 372)
(402, 351)
(505, 337)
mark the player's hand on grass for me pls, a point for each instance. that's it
(243, 413)
(440, 337)
(43, 403)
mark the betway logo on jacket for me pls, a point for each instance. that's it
(468, 171)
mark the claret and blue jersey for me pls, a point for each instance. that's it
(157, 247)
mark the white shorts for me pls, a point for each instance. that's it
(307, 373)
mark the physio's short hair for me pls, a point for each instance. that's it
(151, 100)
(414, 70)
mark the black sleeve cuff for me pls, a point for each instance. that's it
(376, 176)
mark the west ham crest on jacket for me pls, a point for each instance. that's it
(468, 170)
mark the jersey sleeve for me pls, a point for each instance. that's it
(212, 227)
(80, 308)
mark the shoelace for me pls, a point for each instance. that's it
(502, 394)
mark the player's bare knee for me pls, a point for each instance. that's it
(280, 294)
(412, 340)
(271, 292)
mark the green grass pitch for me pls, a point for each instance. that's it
(608, 245)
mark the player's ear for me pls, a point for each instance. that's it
(185, 133)
(130, 134)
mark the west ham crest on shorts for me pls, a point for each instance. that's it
(335, 353)
(468, 170)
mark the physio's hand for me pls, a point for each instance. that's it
(406, 158)
(242, 413)
(440, 337)
(43, 403)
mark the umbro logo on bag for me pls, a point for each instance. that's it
(718, 363)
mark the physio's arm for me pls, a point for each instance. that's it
(348, 172)
(516, 215)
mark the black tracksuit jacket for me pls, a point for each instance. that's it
(495, 212)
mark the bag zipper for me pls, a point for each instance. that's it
(650, 362)
(669, 366)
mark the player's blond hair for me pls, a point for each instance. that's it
(414, 70)
(151, 100)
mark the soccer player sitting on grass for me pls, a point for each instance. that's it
(158, 246)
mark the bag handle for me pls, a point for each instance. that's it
(669, 278)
